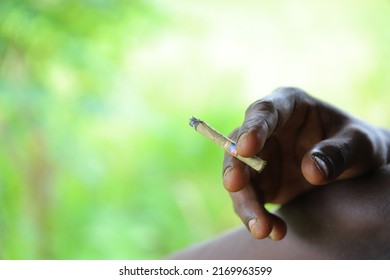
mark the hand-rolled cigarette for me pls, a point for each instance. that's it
(227, 144)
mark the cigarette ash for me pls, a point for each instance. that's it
(194, 122)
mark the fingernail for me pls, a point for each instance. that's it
(272, 235)
(251, 225)
(322, 164)
(226, 177)
(227, 170)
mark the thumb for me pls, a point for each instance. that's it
(328, 159)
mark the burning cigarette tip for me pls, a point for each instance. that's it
(194, 122)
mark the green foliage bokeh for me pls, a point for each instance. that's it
(97, 160)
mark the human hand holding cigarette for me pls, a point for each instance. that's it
(306, 143)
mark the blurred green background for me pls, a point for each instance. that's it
(97, 160)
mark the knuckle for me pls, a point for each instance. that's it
(239, 209)
(291, 92)
(260, 106)
(244, 207)
(361, 136)
(269, 104)
(263, 113)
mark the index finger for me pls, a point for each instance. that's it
(265, 116)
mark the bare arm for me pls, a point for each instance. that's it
(348, 219)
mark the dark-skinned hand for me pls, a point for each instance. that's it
(306, 143)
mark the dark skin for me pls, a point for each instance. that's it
(306, 143)
(346, 219)
(328, 170)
